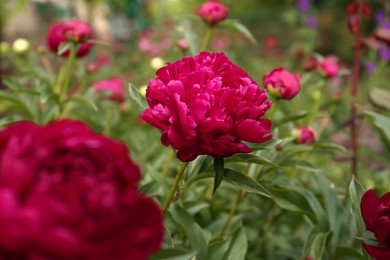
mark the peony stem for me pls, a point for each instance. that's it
(174, 186)
(240, 197)
(68, 71)
(165, 168)
(206, 39)
(354, 91)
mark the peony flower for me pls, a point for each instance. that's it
(113, 85)
(304, 135)
(213, 12)
(281, 83)
(183, 44)
(67, 193)
(69, 31)
(207, 105)
(376, 216)
(328, 67)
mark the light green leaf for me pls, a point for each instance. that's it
(235, 25)
(218, 248)
(382, 125)
(65, 46)
(83, 101)
(290, 118)
(137, 97)
(251, 158)
(238, 246)
(173, 254)
(380, 98)
(315, 244)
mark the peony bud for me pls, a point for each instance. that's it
(114, 86)
(157, 62)
(213, 12)
(77, 31)
(183, 44)
(281, 83)
(304, 135)
(20, 45)
(328, 67)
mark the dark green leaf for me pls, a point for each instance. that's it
(329, 147)
(290, 118)
(218, 248)
(380, 97)
(347, 253)
(83, 101)
(238, 246)
(315, 244)
(245, 182)
(218, 172)
(251, 158)
(173, 254)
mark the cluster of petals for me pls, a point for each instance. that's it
(68, 193)
(114, 86)
(328, 67)
(213, 12)
(207, 105)
(74, 31)
(376, 216)
(281, 83)
(305, 135)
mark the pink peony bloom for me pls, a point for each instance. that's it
(114, 86)
(305, 135)
(67, 193)
(207, 105)
(213, 12)
(61, 32)
(281, 83)
(328, 67)
(77, 31)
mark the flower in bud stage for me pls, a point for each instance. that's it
(113, 86)
(281, 83)
(20, 45)
(207, 105)
(304, 135)
(57, 35)
(328, 67)
(183, 44)
(213, 12)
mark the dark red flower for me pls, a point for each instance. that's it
(355, 11)
(67, 193)
(61, 32)
(376, 216)
(207, 105)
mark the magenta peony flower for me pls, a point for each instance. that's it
(67, 193)
(207, 105)
(376, 216)
(213, 12)
(281, 83)
(305, 135)
(113, 85)
(62, 32)
(328, 67)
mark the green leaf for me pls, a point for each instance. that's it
(290, 118)
(347, 253)
(18, 103)
(83, 101)
(251, 158)
(235, 25)
(218, 248)
(382, 125)
(315, 244)
(12, 83)
(380, 98)
(238, 246)
(173, 254)
(137, 97)
(329, 147)
(245, 182)
(192, 229)
(218, 172)
(356, 192)
(65, 46)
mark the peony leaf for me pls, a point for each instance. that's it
(65, 46)
(83, 101)
(238, 246)
(194, 232)
(218, 172)
(245, 182)
(137, 97)
(251, 158)
(356, 192)
(19, 104)
(173, 254)
(382, 125)
(315, 244)
(290, 118)
(235, 25)
(329, 147)
(380, 98)
(218, 247)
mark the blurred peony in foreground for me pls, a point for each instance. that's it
(76, 31)
(207, 105)
(67, 193)
(281, 83)
(213, 12)
(376, 216)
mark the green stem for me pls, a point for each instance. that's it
(316, 106)
(206, 39)
(68, 71)
(60, 79)
(165, 168)
(231, 212)
(174, 186)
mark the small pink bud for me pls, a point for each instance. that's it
(213, 12)
(304, 135)
(183, 44)
(328, 67)
(281, 83)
